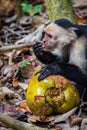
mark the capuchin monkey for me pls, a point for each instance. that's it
(63, 49)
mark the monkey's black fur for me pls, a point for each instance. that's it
(80, 29)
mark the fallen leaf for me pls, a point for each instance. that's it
(15, 83)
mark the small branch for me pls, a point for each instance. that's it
(12, 19)
(12, 47)
(12, 31)
(65, 116)
(33, 37)
(16, 124)
(11, 57)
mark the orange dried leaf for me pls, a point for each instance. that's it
(80, 20)
(24, 106)
(15, 83)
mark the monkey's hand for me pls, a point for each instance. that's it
(38, 49)
(49, 70)
(45, 57)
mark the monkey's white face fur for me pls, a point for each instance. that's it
(56, 36)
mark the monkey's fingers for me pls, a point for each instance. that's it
(42, 69)
(37, 45)
(44, 74)
(37, 48)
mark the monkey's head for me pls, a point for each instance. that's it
(58, 36)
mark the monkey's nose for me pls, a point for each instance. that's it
(43, 41)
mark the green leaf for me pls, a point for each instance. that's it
(37, 8)
(23, 4)
(27, 7)
(25, 63)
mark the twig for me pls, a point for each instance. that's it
(12, 19)
(12, 31)
(65, 116)
(12, 47)
(11, 56)
(16, 124)
(33, 37)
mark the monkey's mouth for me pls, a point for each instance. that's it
(46, 47)
(49, 46)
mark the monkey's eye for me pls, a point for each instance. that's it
(49, 35)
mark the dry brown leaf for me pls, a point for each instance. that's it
(15, 83)
(81, 20)
(23, 106)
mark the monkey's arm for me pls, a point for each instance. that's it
(44, 56)
(73, 73)
(69, 71)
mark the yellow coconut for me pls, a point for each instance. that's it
(54, 94)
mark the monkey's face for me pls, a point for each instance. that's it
(56, 36)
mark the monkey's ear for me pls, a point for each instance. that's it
(72, 29)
